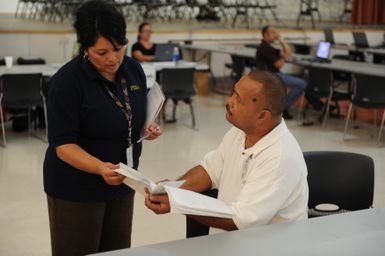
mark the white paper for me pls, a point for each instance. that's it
(191, 203)
(137, 181)
(155, 100)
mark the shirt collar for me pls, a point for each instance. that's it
(265, 142)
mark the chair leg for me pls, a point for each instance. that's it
(381, 128)
(192, 114)
(301, 110)
(174, 110)
(327, 109)
(2, 126)
(347, 120)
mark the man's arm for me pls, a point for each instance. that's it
(286, 51)
(196, 179)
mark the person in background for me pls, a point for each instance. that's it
(258, 168)
(273, 60)
(96, 114)
(144, 48)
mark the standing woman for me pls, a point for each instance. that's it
(144, 48)
(96, 112)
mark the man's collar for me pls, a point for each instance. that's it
(266, 141)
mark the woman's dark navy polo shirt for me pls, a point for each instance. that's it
(80, 111)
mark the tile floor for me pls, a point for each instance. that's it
(23, 212)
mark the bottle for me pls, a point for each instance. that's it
(175, 55)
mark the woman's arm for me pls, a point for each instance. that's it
(75, 156)
(141, 57)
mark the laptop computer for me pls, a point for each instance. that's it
(360, 40)
(164, 52)
(322, 53)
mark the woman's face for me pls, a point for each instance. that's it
(145, 33)
(105, 58)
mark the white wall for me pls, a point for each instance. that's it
(8, 6)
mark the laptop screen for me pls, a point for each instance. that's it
(323, 50)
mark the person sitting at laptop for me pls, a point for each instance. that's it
(273, 59)
(144, 48)
(258, 168)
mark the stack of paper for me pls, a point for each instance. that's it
(137, 181)
(155, 100)
(191, 203)
(181, 201)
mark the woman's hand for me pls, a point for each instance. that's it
(106, 170)
(153, 130)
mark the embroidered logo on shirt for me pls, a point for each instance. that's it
(134, 87)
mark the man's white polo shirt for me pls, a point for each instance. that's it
(264, 184)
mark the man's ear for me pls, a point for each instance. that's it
(264, 115)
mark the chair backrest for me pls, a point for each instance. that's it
(320, 81)
(178, 83)
(369, 90)
(379, 58)
(30, 61)
(21, 90)
(301, 48)
(239, 64)
(329, 36)
(341, 178)
(2, 62)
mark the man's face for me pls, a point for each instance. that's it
(245, 103)
(271, 35)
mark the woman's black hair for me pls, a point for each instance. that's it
(98, 18)
(141, 26)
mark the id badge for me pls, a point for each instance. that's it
(129, 155)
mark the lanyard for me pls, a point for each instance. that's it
(125, 109)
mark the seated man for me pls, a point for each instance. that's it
(258, 168)
(273, 60)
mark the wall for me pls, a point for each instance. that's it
(330, 9)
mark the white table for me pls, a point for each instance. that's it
(240, 51)
(356, 233)
(45, 70)
(353, 67)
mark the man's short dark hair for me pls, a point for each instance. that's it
(273, 90)
(98, 18)
(264, 30)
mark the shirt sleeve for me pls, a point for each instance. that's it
(135, 47)
(269, 54)
(64, 104)
(213, 161)
(261, 197)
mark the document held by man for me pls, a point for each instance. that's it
(181, 201)
(191, 203)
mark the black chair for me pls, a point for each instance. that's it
(379, 58)
(341, 178)
(329, 36)
(321, 85)
(30, 61)
(369, 93)
(178, 85)
(195, 228)
(306, 8)
(302, 48)
(19, 91)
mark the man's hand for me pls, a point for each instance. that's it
(157, 203)
(106, 170)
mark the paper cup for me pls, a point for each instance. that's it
(8, 61)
